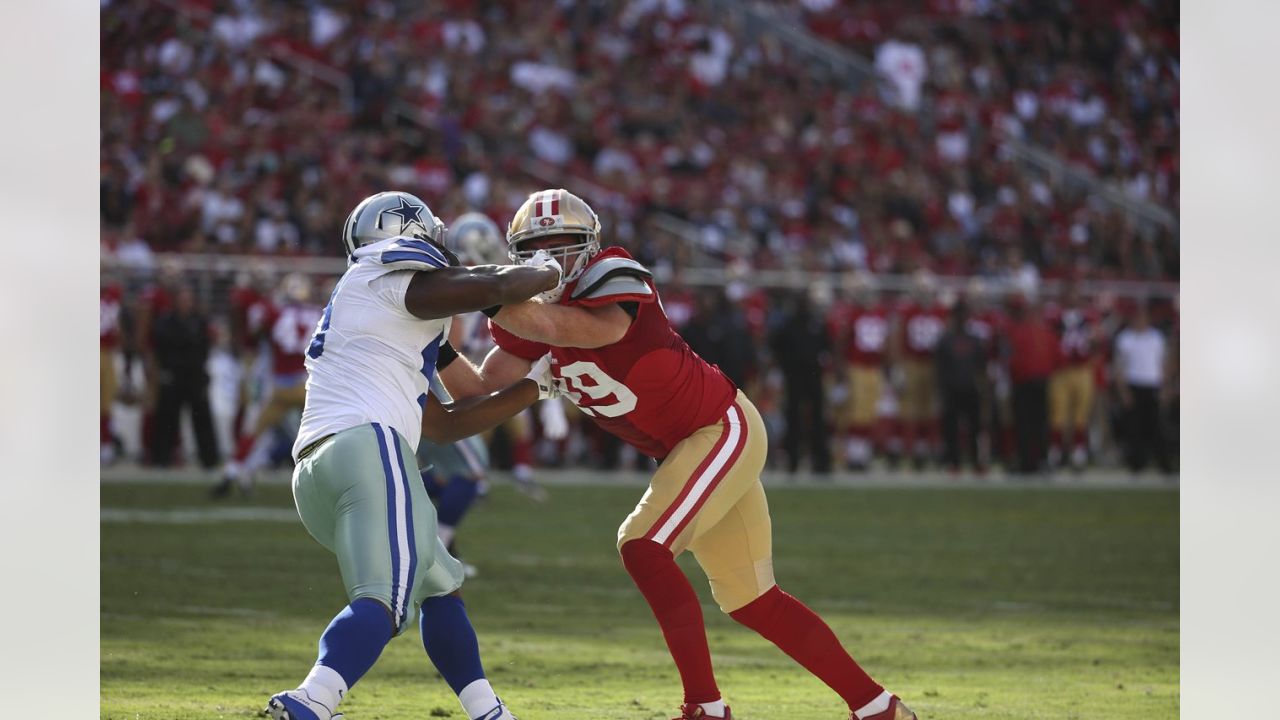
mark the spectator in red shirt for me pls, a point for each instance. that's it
(1031, 349)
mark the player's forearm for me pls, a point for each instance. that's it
(564, 326)
(449, 291)
(443, 424)
(465, 380)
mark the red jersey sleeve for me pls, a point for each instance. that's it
(516, 345)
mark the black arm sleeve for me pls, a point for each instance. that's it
(446, 356)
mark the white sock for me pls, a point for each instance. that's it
(445, 532)
(478, 698)
(325, 686)
(260, 453)
(879, 705)
(715, 709)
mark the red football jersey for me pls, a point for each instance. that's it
(649, 388)
(109, 301)
(1075, 328)
(251, 311)
(292, 326)
(922, 327)
(868, 335)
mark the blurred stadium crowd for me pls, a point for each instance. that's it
(250, 128)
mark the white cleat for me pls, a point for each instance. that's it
(297, 705)
(499, 712)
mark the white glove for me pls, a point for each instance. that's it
(542, 258)
(540, 373)
(555, 425)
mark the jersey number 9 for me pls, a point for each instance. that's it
(586, 378)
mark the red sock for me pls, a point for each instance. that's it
(244, 447)
(797, 631)
(675, 605)
(522, 452)
(104, 429)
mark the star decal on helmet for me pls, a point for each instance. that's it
(408, 213)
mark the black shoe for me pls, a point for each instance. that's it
(222, 489)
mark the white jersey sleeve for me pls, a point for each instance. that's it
(371, 360)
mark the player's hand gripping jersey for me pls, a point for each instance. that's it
(649, 388)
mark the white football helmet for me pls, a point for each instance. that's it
(391, 214)
(477, 240)
(555, 212)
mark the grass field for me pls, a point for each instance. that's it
(970, 603)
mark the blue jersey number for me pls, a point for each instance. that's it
(317, 341)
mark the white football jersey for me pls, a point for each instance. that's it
(371, 360)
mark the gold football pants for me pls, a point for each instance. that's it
(707, 497)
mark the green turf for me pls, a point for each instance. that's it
(1019, 603)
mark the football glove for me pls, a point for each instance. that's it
(540, 373)
(542, 258)
(555, 426)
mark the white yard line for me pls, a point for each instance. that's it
(197, 515)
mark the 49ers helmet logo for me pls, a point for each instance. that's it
(556, 212)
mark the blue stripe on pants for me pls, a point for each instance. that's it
(391, 525)
(408, 521)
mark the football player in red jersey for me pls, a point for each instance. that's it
(619, 360)
(289, 327)
(923, 322)
(110, 299)
(865, 340)
(1071, 386)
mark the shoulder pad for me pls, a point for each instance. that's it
(411, 254)
(613, 276)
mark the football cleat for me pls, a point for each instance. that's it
(895, 711)
(499, 712)
(297, 705)
(223, 488)
(694, 711)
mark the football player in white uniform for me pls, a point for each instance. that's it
(356, 483)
